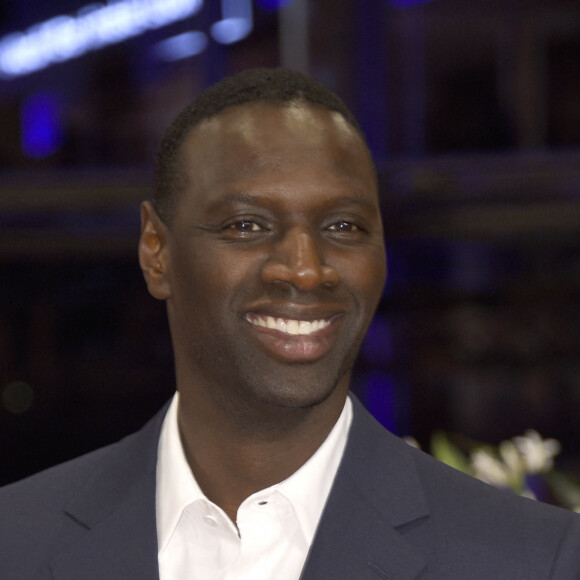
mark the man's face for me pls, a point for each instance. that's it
(275, 256)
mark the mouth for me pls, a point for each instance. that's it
(288, 326)
(294, 340)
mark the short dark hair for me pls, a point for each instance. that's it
(274, 85)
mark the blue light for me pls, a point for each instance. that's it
(408, 3)
(236, 22)
(380, 399)
(181, 46)
(40, 122)
(231, 30)
(94, 26)
(378, 346)
(272, 5)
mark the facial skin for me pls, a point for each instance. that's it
(278, 221)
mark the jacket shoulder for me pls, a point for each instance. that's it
(48, 490)
(42, 515)
(462, 527)
(504, 527)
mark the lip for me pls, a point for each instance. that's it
(295, 345)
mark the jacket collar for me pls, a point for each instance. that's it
(375, 495)
(115, 514)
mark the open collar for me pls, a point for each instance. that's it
(376, 493)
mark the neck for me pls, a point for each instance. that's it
(233, 455)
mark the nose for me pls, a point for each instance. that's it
(296, 260)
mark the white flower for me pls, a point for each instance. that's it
(538, 454)
(489, 469)
(512, 458)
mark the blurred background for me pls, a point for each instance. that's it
(472, 110)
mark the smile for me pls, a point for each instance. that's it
(288, 325)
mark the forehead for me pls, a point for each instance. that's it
(257, 137)
(299, 118)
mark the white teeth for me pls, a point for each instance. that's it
(288, 326)
(292, 327)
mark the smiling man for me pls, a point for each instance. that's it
(265, 241)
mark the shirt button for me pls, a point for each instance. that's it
(210, 521)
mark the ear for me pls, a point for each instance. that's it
(154, 253)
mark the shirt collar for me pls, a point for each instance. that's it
(176, 486)
(307, 489)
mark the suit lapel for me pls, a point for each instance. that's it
(115, 515)
(376, 493)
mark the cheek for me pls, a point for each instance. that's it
(211, 277)
(366, 278)
(193, 282)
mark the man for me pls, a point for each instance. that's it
(265, 241)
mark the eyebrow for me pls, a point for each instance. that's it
(358, 199)
(240, 197)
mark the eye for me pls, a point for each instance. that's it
(245, 226)
(344, 227)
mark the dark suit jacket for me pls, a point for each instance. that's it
(393, 513)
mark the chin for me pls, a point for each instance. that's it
(299, 392)
(305, 385)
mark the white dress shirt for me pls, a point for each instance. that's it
(275, 526)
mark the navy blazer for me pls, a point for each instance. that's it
(393, 513)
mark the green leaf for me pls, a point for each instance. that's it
(565, 489)
(447, 452)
